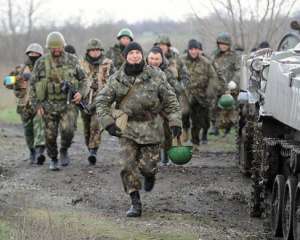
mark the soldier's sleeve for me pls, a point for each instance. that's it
(170, 104)
(183, 72)
(172, 80)
(81, 76)
(38, 73)
(104, 100)
(220, 83)
(212, 88)
(237, 69)
(112, 69)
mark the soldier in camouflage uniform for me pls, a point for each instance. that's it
(98, 68)
(156, 58)
(140, 91)
(125, 36)
(182, 75)
(32, 123)
(227, 64)
(51, 102)
(200, 90)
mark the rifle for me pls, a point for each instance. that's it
(68, 89)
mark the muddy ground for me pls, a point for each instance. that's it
(205, 199)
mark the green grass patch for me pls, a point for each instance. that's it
(9, 115)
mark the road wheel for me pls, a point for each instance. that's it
(288, 211)
(296, 222)
(276, 205)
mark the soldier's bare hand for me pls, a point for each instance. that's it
(40, 111)
(76, 98)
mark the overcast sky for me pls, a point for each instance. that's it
(129, 10)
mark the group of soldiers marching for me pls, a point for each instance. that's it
(144, 100)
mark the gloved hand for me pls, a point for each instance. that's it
(176, 131)
(26, 76)
(113, 130)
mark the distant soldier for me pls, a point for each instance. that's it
(140, 91)
(125, 36)
(203, 78)
(32, 123)
(227, 64)
(98, 69)
(181, 72)
(50, 75)
(156, 58)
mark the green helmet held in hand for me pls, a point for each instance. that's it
(226, 102)
(94, 44)
(55, 40)
(125, 32)
(180, 155)
(224, 37)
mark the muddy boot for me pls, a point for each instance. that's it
(196, 148)
(164, 159)
(136, 205)
(40, 157)
(64, 157)
(185, 135)
(93, 156)
(32, 156)
(204, 137)
(149, 183)
(54, 165)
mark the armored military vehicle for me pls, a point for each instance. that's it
(268, 134)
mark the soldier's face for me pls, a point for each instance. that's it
(134, 57)
(124, 41)
(223, 47)
(33, 54)
(94, 53)
(164, 48)
(154, 59)
(194, 52)
(56, 52)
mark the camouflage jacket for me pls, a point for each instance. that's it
(228, 66)
(115, 54)
(22, 86)
(47, 78)
(178, 65)
(97, 75)
(146, 96)
(203, 79)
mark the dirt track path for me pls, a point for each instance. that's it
(206, 199)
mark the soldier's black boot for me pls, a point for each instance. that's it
(32, 156)
(54, 165)
(164, 159)
(149, 183)
(135, 209)
(64, 157)
(40, 157)
(204, 137)
(93, 156)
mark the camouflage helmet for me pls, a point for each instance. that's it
(55, 40)
(163, 39)
(224, 37)
(125, 32)
(94, 43)
(34, 47)
(226, 102)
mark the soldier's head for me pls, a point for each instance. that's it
(155, 57)
(94, 48)
(133, 53)
(55, 43)
(164, 43)
(34, 51)
(125, 36)
(194, 48)
(224, 41)
(264, 44)
(70, 49)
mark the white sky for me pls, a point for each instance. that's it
(129, 10)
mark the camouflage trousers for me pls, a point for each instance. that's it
(200, 117)
(33, 127)
(91, 128)
(65, 121)
(136, 159)
(168, 135)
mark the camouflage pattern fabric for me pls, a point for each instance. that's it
(136, 159)
(115, 54)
